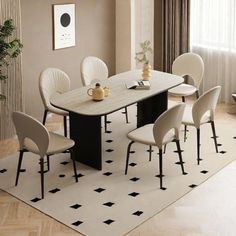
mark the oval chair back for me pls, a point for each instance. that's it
(190, 64)
(28, 127)
(92, 69)
(206, 102)
(170, 119)
(51, 81)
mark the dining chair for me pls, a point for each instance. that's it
(52, 81)
(188, 64)
(163, 131)
(34, 137)
(92, 70)
(202, 112)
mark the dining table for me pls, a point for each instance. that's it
(85, 114)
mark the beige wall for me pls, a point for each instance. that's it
(95, 35)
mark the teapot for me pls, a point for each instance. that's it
(96, 93)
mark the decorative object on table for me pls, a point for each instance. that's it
(106, 91)
(138, 84)
(141, 57)
(96, 93)
(9, 48)
(64, 25)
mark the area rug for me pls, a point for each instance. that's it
(108, 202)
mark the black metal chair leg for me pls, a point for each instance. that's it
(164, 148)
(180, 157)
(127, 156)
(197, 94)
(65, 126)
(185, 133)
(105, 123)
(198, 146)
(42, 176)
(74, 164)
(183, 99)
(45, 116)
(150, 153)
(19, 166)
(48, 163)
(126, 115)
(214, 135)
(160, 168)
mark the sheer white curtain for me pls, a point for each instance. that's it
(213, 37)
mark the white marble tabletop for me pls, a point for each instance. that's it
(79, 102)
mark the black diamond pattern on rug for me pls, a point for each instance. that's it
(222, 152)
(109, 161)
(77, 223)
(109, 204)
(108, 131)
(64, 162)
(23, 170)
(138, 213)
(3, 171)
(177, 151)
(179, 163)
(216, 137)
(35, 199)
(234, 137)
(193, 186)
(132, 164)
(79, 175)
(108, 222)
(55, 190)
(76, 206)
(133, 194)
(204, 172)
(134, 179)
(109, 141)
(132, 152)
(219, 144)
(61, 176)
(107, 173)
(99, 190)
(108, 122)
(109, 150)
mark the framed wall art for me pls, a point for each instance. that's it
(63, 26)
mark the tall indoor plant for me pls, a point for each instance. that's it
(9, 48)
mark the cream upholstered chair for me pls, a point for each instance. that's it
(51, 81)
(203, 111)
(34, 137)
(164, 130)
(188, 64)
(92, 70)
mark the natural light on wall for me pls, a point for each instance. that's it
(213, 37)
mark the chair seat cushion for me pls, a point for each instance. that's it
(57, 144)
(57, 111)
(183, 90)
(188, 118)
(144, 135)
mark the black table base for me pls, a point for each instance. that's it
(87, 134)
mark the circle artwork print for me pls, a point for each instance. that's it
(65, 19)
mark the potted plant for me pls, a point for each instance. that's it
(142, 57)
(9, 48)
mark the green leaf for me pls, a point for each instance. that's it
(2, 97)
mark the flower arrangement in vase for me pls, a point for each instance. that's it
(142, 57)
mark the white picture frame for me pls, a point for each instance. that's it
(63, 26)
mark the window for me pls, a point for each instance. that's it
(213, 24)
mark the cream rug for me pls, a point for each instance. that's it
(108, 202)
